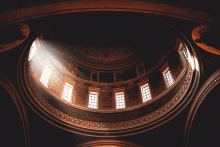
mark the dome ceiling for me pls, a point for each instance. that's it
(63, 73)
(105, 38)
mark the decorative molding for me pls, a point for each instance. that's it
(210, 83)
(6, 83)
(117, 88)
(110, 126)
(22, 14)
(63, 121)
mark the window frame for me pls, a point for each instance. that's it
(181, 54)
(94, 90)
(47, 85)
(146, 84)
(164, 76)
(71, 97)
(117, 91)
(184, 52)
(94, 93)
(32, 51)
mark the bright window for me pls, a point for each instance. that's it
(120, 100)
(93, 100)
(145, 91)
(168, 77)
(184, 52)
(45, 76)
(32, 51)
(67, 92)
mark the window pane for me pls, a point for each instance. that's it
(45, 76)
(168, 78)
(93, 100)
(146, 95)
(184, 52)
(67, 92)
(32, 51)
(120, 101)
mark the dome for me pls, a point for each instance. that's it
(108, 73)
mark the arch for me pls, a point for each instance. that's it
(37, 11)
(6, 83)
(212, 81)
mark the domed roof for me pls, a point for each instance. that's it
(73, 73)
(112, 39)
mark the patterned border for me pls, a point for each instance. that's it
(109, 126)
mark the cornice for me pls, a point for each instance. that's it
(111, 126)
(182, 74)
(22, 14)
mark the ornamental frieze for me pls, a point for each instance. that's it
(116, 125)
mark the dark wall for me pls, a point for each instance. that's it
(157, 82)
(11, 126)
(175, 63)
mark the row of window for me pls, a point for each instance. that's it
(93, 96)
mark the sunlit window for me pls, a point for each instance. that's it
(184, 52)
(93, 100)
(120, 100)
(67, 92)
(32, 51)
(168, 77)
(45, 76)
(145, 91)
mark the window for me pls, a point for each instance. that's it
(145, 91)
(184, 52)
(45, 76)
(32, 51)
(168, 77)
(93, 100)
(67, 92)
(120, 100)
